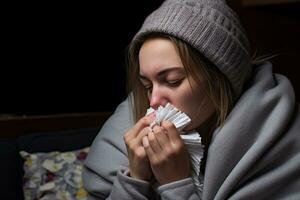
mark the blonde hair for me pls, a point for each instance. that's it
(257, 59)
(218, 89)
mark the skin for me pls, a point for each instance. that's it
(161, 152)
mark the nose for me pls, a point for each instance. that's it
(157, 97)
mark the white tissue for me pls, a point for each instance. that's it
(171, 114)
(192, 140)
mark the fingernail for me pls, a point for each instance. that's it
(151, 134)
(152, 114)
(145, 141)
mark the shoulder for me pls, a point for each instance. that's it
(111, 134)
(108, 153)
(119, 122)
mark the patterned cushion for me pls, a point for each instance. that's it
(54, 175)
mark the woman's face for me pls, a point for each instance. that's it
(163, 75)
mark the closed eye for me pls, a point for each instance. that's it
(174, 83)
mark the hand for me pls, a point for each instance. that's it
(139, 165)
(168, 156)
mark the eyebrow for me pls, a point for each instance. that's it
(164, 71)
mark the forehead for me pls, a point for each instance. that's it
(157, 54)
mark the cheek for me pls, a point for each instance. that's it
(188, 101)
(197, 106)
(193, 103)
(202, 112)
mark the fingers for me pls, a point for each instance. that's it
(157, 144)
(143, 133)
(171, 131)
(136, 129)
(151, 145)
(136, 142)
(148, 149)
(161, 137)
(164, 154)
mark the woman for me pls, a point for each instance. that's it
(195, 55)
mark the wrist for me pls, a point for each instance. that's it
(138, 177)
(173, 179)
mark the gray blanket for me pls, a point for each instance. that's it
(255, 155)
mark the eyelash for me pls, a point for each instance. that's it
(173, 83)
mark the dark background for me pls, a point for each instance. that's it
(66, 57)
(69, 57)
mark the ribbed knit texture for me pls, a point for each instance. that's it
(211, 27)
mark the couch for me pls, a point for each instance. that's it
(11, 166)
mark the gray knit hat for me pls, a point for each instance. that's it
(211, 27)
